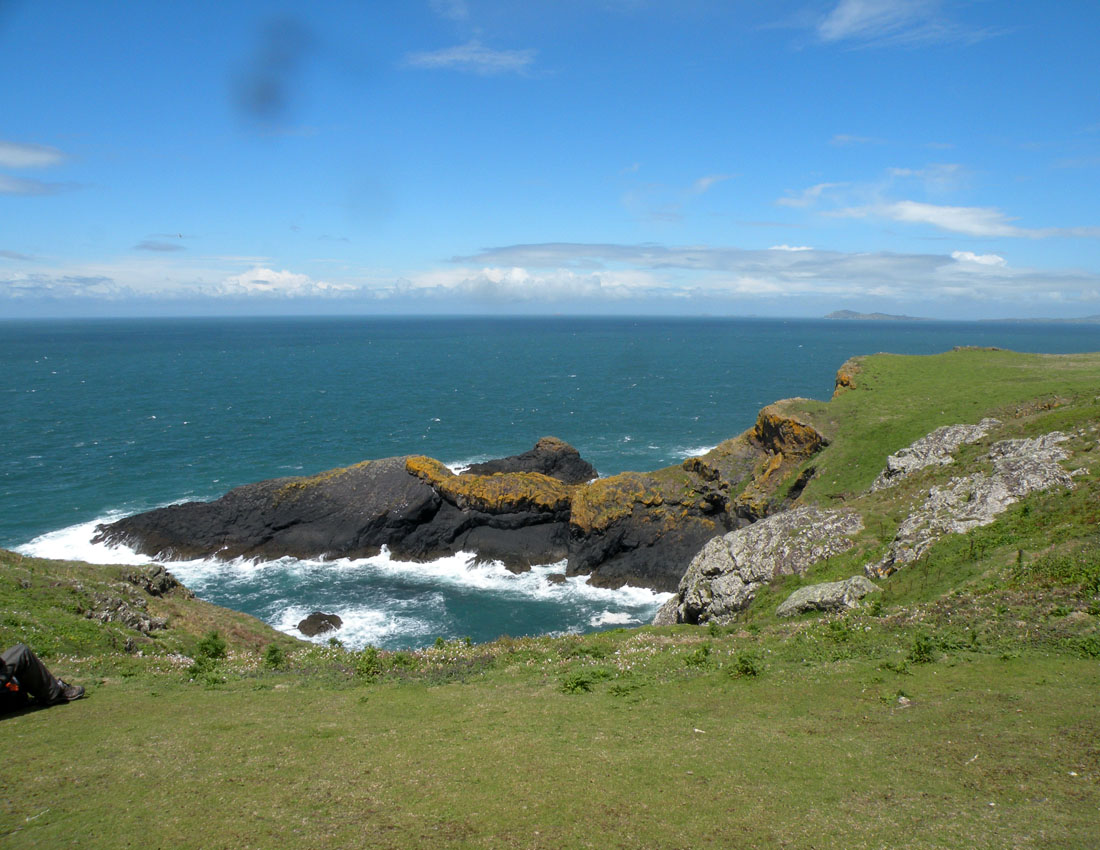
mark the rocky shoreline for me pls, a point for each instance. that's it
(542, 506)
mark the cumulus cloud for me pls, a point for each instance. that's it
(264, 281)
(16, 155)
(695, 271)
(980, 259)
(472, 57)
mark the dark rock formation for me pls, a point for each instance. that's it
(534, 508)
(319, 623)
(550, 456)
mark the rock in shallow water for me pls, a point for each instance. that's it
(319, 623)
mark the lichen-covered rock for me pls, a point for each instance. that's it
(1020, 467)
(935, 449)
(725, 575)
(828, 596)
(156, 581)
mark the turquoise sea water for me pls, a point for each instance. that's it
(102, 418)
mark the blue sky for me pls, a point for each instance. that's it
(552, 156)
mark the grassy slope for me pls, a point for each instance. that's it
(633, 738)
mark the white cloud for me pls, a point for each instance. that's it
(843, 140)
(472, 57)
(24, 186)
(785, 247)
(980, 259)
(703, 183)
(264, 281)
(971, 221)
(16, 155)
(894, 22)
(808, 197)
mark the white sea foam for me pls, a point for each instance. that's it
(460, 466)
(695, 451)
(612, 618)
(427, 587)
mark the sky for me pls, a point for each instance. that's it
(605, 157)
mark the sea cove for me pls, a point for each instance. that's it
(107, 418)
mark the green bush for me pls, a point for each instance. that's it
(581, 681)
(212, 646)
(923, 650)
(698, 657)
(367, 664)
(746, 664)
(274, 657)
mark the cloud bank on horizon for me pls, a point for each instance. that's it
(789, 158)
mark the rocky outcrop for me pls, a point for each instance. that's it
(157, 581)
(534, 508)
(935, 449)
(725, 575)
(1019, 467)
(829, 596)
(550, 456)
(319, 623)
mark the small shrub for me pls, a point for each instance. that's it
(581, 681)
(1089, 646)
(899, 667)
(403, 661)
(746, 664)
(335, 643)
(713, 629)
(212, 646)
(839, 630)
(874, 608)
(923, 650)
(274, 657)
(367, 664)
(698, 657)
(440, 643)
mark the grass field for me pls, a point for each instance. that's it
(958, 708)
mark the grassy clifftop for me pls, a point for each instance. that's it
(957, 709)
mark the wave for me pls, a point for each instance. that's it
(383, 601)
(696, 451)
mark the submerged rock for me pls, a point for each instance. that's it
(829, 596)
(725, 575)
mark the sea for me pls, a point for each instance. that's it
(103, 418)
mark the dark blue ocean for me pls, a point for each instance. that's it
(101, 418)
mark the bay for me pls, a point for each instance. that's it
(100, 418)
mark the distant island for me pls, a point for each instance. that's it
(878, 317)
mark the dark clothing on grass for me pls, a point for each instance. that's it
(31, 678)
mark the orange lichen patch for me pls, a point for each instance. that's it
(846, 376)
(503, 492)
(299, 486)
(781, 433)
(600, 503)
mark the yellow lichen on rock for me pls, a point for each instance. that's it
(598, 504)
(781, 433)
(503, 492)
(846, 376)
